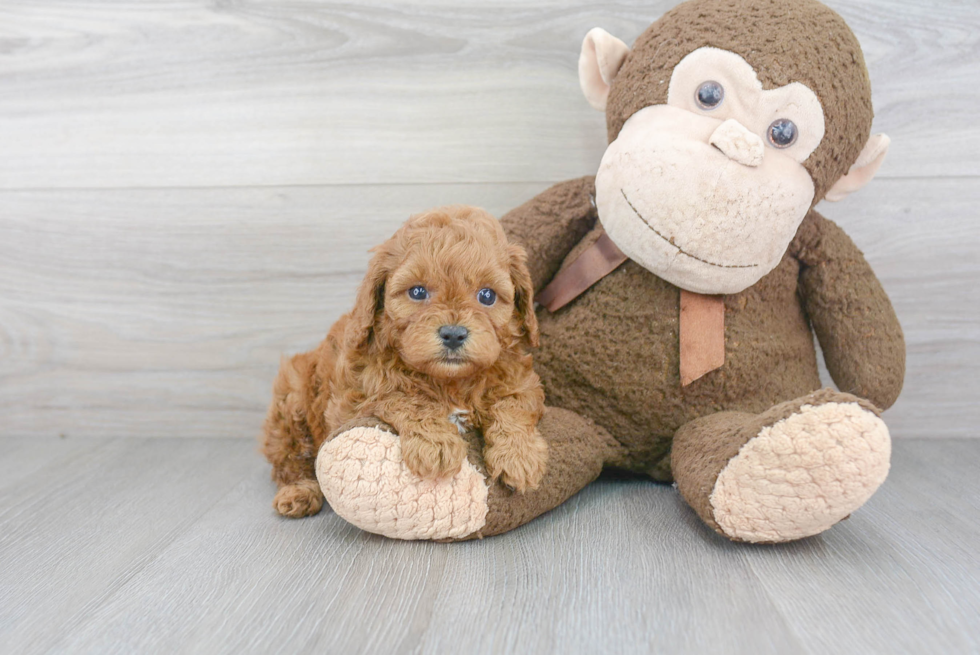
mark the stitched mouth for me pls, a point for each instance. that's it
(670, 241)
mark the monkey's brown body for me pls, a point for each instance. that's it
(728, 121)
(612, 354)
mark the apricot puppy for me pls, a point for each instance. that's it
(433, 347)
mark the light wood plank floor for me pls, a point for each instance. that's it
(171, 546)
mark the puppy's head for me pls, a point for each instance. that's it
(447, 294)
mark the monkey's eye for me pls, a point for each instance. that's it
(418, 293)
(486, 296)
(782, 133)
(709, 95)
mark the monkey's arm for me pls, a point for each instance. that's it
(550, 224)
(852, 316)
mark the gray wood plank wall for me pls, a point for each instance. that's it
(188, 189)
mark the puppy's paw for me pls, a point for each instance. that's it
(298, 500)
(519, 462)
(433, 457)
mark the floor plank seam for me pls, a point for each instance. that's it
(88, 612)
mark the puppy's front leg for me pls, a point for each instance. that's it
(515, 451)
(431, 445)
(431, 454)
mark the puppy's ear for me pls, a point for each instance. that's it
(369, 303)
(523, 295)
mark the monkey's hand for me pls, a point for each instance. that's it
(851, 314)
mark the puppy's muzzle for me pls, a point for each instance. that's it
(453, 336)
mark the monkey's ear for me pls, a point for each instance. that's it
(602, 56)
(867, 164)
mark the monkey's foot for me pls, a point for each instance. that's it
(788, 473)
(365, 480)
(802, 474)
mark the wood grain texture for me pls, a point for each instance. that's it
(896, 567)
(151, 304)
(149, 545)
(22, 458)
(165, 312)
(75, 530)
(188, 190)
(197, 93)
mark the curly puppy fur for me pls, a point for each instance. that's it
(386, 359)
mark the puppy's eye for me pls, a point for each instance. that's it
(486, 297)
(418, 293)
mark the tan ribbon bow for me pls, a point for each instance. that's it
(702, 317)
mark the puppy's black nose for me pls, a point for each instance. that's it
(453, 336)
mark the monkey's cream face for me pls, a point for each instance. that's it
(708, 190)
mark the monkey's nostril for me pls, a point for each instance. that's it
(453, 336)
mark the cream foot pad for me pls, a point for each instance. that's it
(803, 474)
(366, 483)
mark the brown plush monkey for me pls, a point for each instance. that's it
(684, 282)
